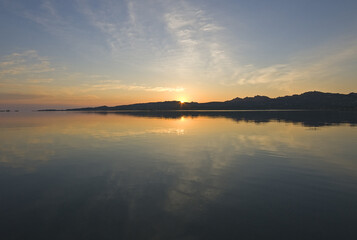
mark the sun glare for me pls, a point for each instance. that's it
(182, 100)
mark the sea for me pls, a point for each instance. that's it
(178, 175)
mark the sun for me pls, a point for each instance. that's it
(182, 100)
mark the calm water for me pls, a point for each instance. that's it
(191, 175)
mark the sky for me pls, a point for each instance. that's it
(111, 52)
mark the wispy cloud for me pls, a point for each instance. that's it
(170, 36)
(24, 63)
(21, 96)
(198, 51)
(49, 18)
(157, 45)
(117, 85)
(27, 76)
(165, 37)
(165, 89)
(40, 80)
(316, 65)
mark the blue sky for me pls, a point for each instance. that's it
(85, 52)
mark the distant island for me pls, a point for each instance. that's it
(7, 110)
(313, 100)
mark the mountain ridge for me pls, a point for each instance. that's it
(313, 100)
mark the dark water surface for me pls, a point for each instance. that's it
(190, 175)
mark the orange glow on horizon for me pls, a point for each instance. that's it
(182, 100)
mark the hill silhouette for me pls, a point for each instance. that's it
(313, 100)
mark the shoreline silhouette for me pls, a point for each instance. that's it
(313, 100)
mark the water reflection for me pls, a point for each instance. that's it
(306, 118)
(147, 175)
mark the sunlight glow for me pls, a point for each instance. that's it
(182, 100)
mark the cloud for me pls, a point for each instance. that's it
(162, 37)
(165, 89)
(134, 31)
(28, 76)
(47, 15)
(199, 47)
(20, 96)
(161, 43)
(49, 18)
(24, 63)
(40, 80)
(116, 85)
(315, 65)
